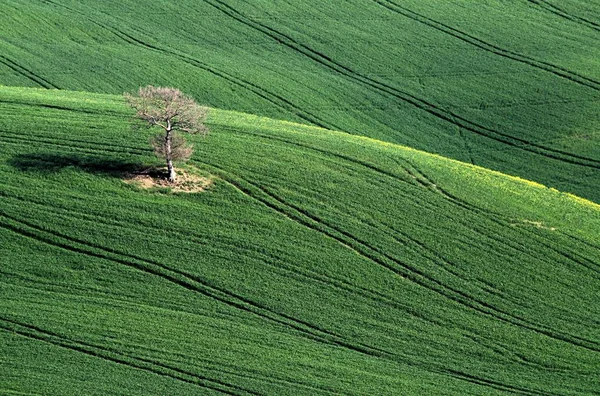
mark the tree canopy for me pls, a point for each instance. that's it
(172, 111)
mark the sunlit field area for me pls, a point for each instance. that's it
(394, 198)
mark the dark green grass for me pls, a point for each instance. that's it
(508, 85)
(317, 263)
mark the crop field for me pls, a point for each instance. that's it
(513, 86)
(402, 197)
(317, 263)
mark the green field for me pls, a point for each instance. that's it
(404, 199)
(512, 86)
(317, 263)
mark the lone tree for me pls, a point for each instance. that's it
(173, 112)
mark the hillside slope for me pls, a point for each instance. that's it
(508, 85)
(317, 263)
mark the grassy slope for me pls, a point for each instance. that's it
(508, 85)
(318, 263)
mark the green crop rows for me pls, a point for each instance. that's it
(508, 85)
(317, 263)
(404, 199)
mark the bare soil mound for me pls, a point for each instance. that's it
(188, 180)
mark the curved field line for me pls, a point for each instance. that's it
(473, 40)
(574, 317)
(154, 367)
(433, 256)
(570, 256)
(564, 14)
(320, 150)
(18, 141)
(190, 282)
(338, 283)
(275, 99)
(407, 272)
(372, 352)
(165, 273)
(503, 221)
(402, 269)
(67, 142)
(50, 142)
(34, 332)
(499, 349)
(210, 365)
(431, 185)
(426, 182)
(69, 109)
(255, 374)
(27, 73)
(422, 104)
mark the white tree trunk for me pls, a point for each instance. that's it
(170, 168)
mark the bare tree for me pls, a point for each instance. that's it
(171, 110)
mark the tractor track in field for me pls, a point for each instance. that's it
(587, 243)
(502, 221)
(468, 149)
(570, 256)
(320, 151)
(384, 88)
(188, 281)
(368, 166)
(483, 382)
(436, 258)
(502, 350)
(457, 374)
(108, 297)
(273, 98)
(426, 182)
(477, 42)
(33, 332)
(30, 75)
(18, 141)
(393, 264)
(312, 222)
(431, 108)
(149, 365)
(246, 187)
(257, 375)
(68, 109)
(134, 361)
(67, 142)
(369, 351)
(89, 150)
(546, 5)
(35, 283)
(305, 274)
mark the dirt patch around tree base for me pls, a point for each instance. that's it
(189, 180)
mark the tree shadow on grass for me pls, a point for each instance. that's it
(102, 165)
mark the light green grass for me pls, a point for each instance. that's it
(512, 86)
(318, 263)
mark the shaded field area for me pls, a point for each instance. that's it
(513, 86)
(316, 263)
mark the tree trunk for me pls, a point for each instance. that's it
(170, 168)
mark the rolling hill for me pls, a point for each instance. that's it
(317, 262)
(512, 86)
